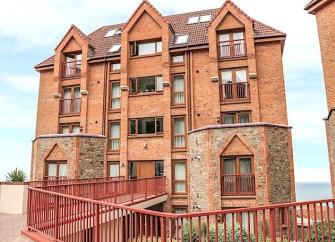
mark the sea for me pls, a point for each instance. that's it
(308, 191)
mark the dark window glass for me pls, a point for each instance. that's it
(159, 168)
(159, 125)
(146, 126)
(146, 84)
(229, 118)
(132, 126)
(243, 118)
(132, 85)
(132, 170)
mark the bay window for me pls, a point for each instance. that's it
(179, 177)
(146, 84)
(179, 132)
(142, 126)
(115, 95)
(114, 142)
(178, 90)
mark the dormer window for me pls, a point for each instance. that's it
(112, 32)
(72, 65)
(115, 49)
(146, 48)
(181, 39)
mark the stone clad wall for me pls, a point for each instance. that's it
(84, 155)
(272, 161)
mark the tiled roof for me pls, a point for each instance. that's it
(179, 23)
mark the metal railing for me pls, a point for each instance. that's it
(64, 217)
(235, 91)
(71, 69)
(238, 185)
(68, 106)
(232, 49)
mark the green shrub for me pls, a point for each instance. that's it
(325, 231)
(16, 176)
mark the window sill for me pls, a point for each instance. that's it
(145, 56)
(145, 136)
(114, 110)
(64, 78)
(222, 59)
(179, 195)
(236, 101)
(146, 94)
(115, 72)
(178, 106)
(113, 152)
(175, 150)
(178, 64)
(69, 114)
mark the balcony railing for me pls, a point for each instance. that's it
(238, 185)
(71, 69)
(232, 49)
(69, 106)
(235, 91)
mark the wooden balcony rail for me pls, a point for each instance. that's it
(232, 49)
(71, 69)
(68, 106)
(62, 217)
(235, 91)
(238, 185)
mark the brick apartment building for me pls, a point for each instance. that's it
(324, 10)
(197, 97)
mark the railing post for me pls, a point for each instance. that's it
(146, 187)
(96, 224)
(163, 230)
(272, 225)
(114, 192)
(132, 191)
(57, 217)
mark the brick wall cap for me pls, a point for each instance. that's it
(222, 126)
(69, 136)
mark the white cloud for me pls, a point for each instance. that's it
(312, 175)
(23, 83)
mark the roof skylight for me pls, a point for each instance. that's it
(193, 20)
(115, 48)
(113, 32)
(205, 18)
(182, 39)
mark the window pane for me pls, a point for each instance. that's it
(159, 47)
(228, 118)
(146, 126)
(115, 130)
(52, 169)
(132, 126)
(245, 166)
(65, 129)
(62, 169)
(116, 66)
(179, 126)
(179, 171)
(159, 80)
(159, 125)
(243, 118)
(67, 93)
(227, 77)
(159, 168)
(223, 37)
(238, 36)
(146, 84)
(116, 93)
(147, 48)
(178, 59)
(178, 89)
(132, 170)
(76, 129)
(180, 210)
(133, 86)
(229, 166)
(114, 169)
(241, 76)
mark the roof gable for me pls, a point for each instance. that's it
(236, 147)
(75, 33)
(56, 153)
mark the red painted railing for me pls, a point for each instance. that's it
(235, 91)
(238, 185)
(71, 69)
(71, 105)
(231, 49)
(64, 217)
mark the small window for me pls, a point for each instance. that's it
(116, 67)
(115, 48)
(111, 33)
(179, 177)
(114, 143)
(178, 90)
(179, 132)
(193, 20)
(236, 117)
(72, 128)
(146, 84)
(182, 39)
(147, 48)
(115, 95)
(180, 210)
(56, 169)
(205, 18)
(159, 168)
(114, 169)
(177, 59)
(146, 126)
(229, 118)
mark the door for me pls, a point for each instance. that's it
(145, 169)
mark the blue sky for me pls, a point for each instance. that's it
(30, 34)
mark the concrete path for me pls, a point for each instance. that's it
(11, 226)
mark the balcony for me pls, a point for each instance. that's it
(71, 69)
(232, 49)
(238, 185)
(235, 92)
(70, 106)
